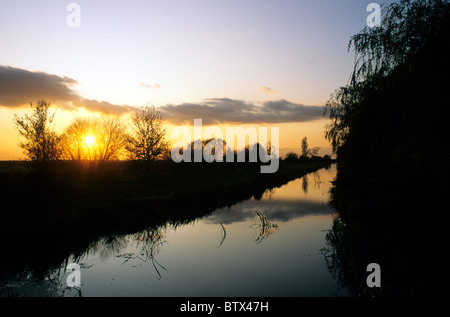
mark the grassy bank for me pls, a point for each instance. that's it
(118, 196)
(45, 218)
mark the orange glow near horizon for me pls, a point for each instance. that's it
(291, 134)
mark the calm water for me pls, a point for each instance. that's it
(266, 247)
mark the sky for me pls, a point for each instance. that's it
(245, 63)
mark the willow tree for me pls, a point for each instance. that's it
(390, 122)
(391, 114)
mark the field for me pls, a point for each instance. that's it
(119, 196)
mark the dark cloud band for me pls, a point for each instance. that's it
(19, 87)
(225, 110)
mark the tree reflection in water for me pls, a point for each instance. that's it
(148, 242)
(399, 226)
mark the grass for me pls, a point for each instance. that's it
(119, 196)
(69, 209)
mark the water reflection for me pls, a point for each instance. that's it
(400, 226)
(149, 243)
(264, 226)
(265, 246)
(291, 201)
(285, 211)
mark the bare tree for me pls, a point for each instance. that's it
(112, 139)
(42, 143)
(99, 139)
(74, 145)
(146, 142)
(314, 151)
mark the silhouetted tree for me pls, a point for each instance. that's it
(213, 146)
(146, 141)
(305, 147)
(42, 143)
(291, 157)
(392, 110)
(314, 151)
(98, 139)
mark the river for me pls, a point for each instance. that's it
(272, 246)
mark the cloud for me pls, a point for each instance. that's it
(155, 85)
(102, 106)
(267, 90)
(278, 210)
(19, 87)
(225, 110)
(142, 84)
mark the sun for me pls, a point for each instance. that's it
(89, 140)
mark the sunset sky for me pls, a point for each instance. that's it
(246, 63)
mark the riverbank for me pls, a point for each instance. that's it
(118, 197)
(70, 209)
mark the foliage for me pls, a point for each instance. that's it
(306, 151)
(390, 117)
(304, 147)
(291, 157)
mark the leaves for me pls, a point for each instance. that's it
(387, 113)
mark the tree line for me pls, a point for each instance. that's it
(100, 139)
(306, 154)
(92, 139)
